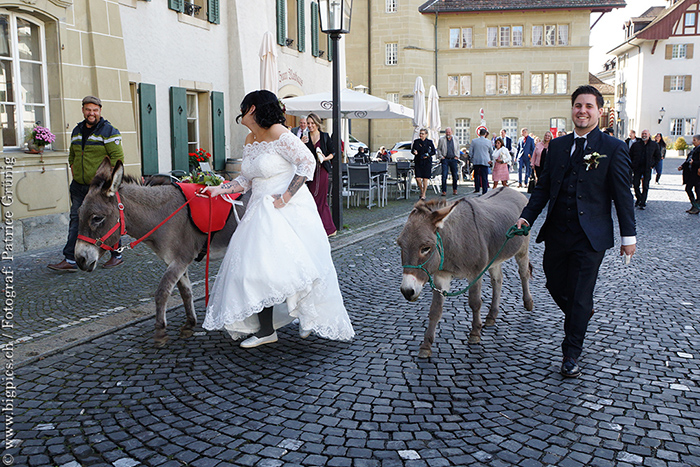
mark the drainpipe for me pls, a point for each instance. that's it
(436, 49)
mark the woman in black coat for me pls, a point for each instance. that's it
(320, 144)
(423, 150)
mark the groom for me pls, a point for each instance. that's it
(579, 226)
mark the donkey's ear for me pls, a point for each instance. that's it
(441, 215)
(116, 179)
(104, 171)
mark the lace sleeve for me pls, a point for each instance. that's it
(243, 181)
(293, 150)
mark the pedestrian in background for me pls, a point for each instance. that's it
(501, 159)
(632, 139)
(423, 151)
(300, 130)
(578, 187)
(481, 151)
(691, 176)
(321, 146)
(659, 167)
(540, 154)
(448, 153)
(561, 132)
(644, 154)
(526, 146)
(91, 140)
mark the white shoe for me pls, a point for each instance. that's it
(304, 333)
(254, 341)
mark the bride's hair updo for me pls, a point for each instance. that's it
(268, 109)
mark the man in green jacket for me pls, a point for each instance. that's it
(91, 140)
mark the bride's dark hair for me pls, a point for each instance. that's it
(268, 109)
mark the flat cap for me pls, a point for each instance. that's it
(92, 100)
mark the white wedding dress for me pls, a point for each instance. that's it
(278, 257)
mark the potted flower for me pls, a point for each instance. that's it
(200, 155)
(38, 138)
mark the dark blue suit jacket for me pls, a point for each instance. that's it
(526, 146)
(596, 189)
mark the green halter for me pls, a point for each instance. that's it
(512, 232)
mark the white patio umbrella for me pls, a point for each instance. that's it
(434, 123)
(353, 104)
(419, 118)
(268, 63)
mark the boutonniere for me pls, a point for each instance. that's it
(592, 160)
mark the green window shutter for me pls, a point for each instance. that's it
(218, 130)
(301, 19)
(330, 48)
(178, 129)
(177, 5)
(148, 124)
(213, 11)
(314, 29)
(281, 16)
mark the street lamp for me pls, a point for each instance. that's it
(662, 112)
(335, 20)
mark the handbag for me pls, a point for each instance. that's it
(531, 185)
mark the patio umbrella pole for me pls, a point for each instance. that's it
(336, 191)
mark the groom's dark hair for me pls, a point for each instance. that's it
(588, 89)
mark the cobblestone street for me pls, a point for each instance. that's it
(203, 401)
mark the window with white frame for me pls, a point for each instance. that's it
(689, 19)
(466, 38)
(516, 83)
(504, 36)
(563, 34)
(503, 81)
(460, 38)
(511, 127)
(537, 33)
(491, 37)
(506, 83)
(392, 54)
(192, 122)
(549, 83)
(517, 36)
(678, 83)
(562, 80)
(557, 124)
(550, 34)
(679, 50)
(392, 97)
(391, 6)
(459, 85)
(683, 127)
(490, 85)
(462, 130)
(23, 88)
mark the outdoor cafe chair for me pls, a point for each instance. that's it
(360, 180)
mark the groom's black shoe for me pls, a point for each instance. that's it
(569, 368)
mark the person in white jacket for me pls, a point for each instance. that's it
(501, 160)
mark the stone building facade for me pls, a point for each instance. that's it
(517, 60)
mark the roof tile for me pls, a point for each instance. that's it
(503, 5)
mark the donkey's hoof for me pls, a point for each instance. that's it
(474, 339)
(490, 322)
(425, 353)
(160, 339)
(529, 305)
(186, 332)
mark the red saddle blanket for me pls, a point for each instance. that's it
(199, 208)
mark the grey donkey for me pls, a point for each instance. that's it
(178, 242)
(472, 231)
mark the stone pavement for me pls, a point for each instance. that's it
(118, 401)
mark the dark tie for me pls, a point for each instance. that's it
(577, 157)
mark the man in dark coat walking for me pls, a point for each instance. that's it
(644, 154)
(584, 173)
(691, 176)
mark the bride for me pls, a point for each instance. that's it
(278, 265)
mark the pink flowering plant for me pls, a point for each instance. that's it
(41, 136)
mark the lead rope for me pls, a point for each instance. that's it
(512, 232)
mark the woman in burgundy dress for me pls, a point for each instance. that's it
(320, 144)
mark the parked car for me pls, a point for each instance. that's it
(354, 145)
(401, 151)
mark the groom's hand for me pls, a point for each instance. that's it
(628, 250)
(522, 222)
